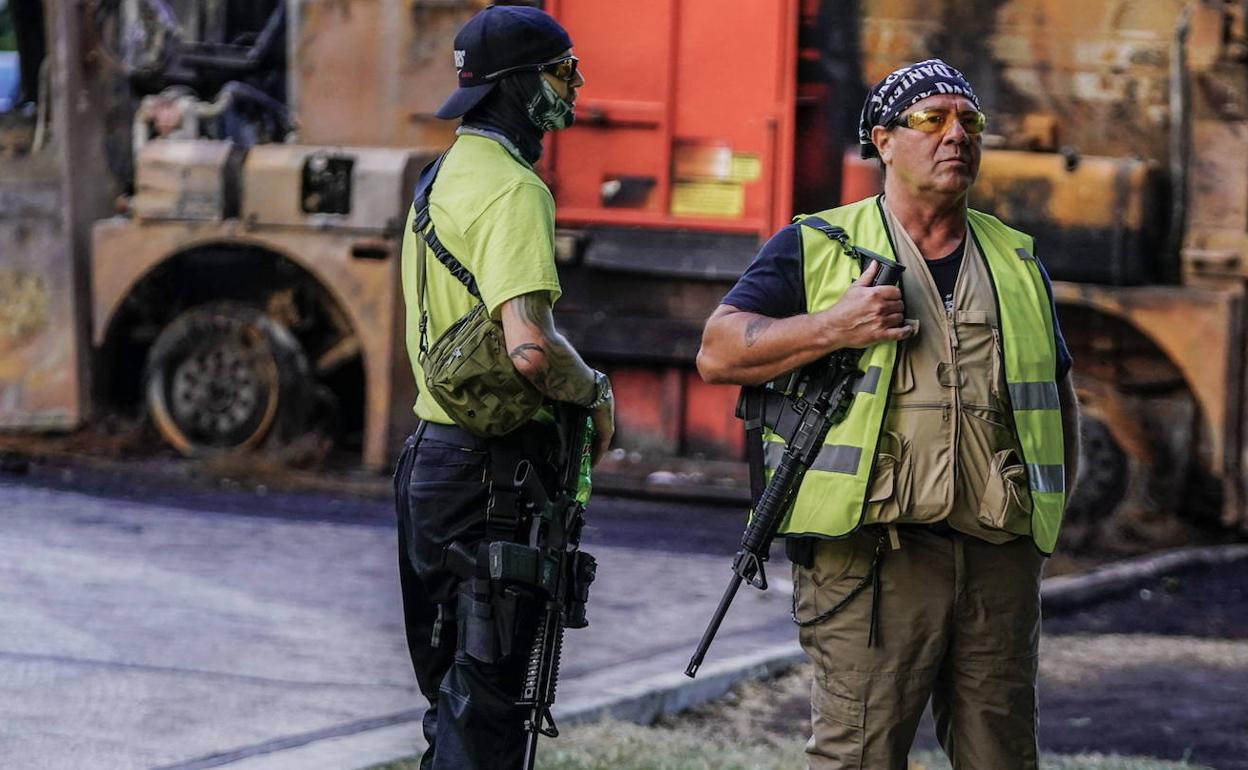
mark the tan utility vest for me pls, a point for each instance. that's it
(949, 409)
(961, 420)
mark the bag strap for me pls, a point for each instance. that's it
(750, 409)
(422, 226)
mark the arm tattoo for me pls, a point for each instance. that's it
(521, 351)
(534, 310)
(755, 329)
(556, 369)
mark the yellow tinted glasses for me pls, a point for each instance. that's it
(938, 121)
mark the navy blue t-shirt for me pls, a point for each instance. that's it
(773, 286)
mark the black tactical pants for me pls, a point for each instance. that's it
(441, 497)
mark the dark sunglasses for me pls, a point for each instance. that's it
(565, 69)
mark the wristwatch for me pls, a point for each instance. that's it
(602, 390)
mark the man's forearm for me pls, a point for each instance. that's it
(746, 348)
(555, 369)
(542, 355)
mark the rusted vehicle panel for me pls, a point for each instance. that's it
(40, 375)
(1094, 217)
(1095, 73)
(53, 183)
(373, 72)
(189, 179)
(334, 188)
(361, 274)
(1200, 333)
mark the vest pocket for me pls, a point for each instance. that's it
(903, 372)
(1006, 504)
(889, 493)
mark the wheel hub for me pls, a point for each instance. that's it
(216, 390)
(219, 376)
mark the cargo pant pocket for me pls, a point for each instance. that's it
(1006, 503)
(839, 567)
(838, 729)
(839, 560)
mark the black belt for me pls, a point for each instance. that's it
(455, 435)
(531, 440)
(935, 527)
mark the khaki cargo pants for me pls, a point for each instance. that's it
(959, 623)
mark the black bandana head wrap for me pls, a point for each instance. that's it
(900, 89)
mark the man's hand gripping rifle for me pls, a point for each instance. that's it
(801, 407)
(552, 566)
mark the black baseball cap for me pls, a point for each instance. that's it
(498, 38)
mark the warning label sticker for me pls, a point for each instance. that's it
(708, 199)
(746, 167)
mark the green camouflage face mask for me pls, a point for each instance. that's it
(548, 110)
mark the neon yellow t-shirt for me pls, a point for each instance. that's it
(495, 216)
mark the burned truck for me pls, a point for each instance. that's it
(232, 275)
(202, 203)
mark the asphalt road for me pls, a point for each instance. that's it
(151, 626)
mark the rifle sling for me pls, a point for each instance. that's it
(762, 407)
(750, 409)
(503, 516)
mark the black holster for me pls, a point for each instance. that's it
(800, 551)
(492, 628)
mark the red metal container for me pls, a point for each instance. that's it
(681, 162)
(686, 117)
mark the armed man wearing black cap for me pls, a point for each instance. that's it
(919, 531)
(492, 214)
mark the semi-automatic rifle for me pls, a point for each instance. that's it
(800, 407)
(551, 566)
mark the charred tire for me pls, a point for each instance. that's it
(225, 377)
(1103, 478)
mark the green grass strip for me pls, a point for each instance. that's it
(621, 746)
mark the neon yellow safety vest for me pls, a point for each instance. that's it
(832, 499)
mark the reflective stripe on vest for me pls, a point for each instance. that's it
(1029, 349)
(833, 495)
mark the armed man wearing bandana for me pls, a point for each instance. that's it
(469, 636)
(942, 489)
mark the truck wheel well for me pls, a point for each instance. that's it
(1140, 404)
(285, 290)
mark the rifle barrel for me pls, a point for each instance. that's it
(712, 628)
(530, 749)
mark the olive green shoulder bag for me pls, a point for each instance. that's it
(467, 369)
